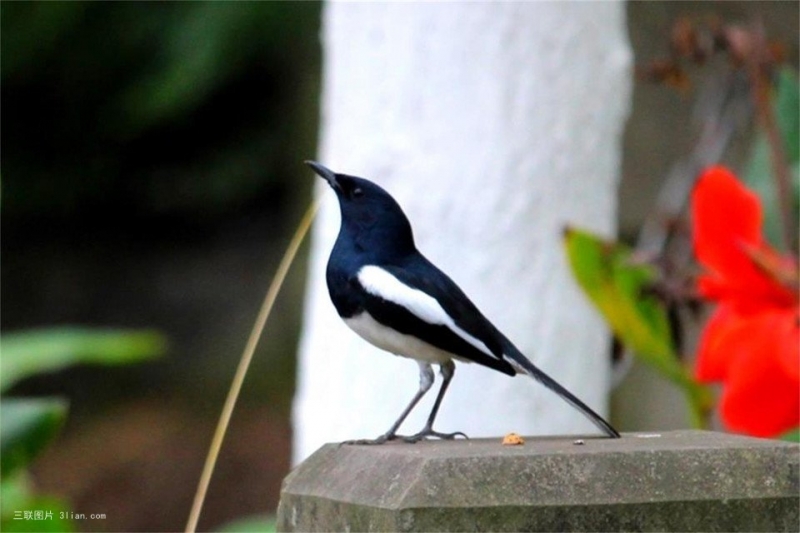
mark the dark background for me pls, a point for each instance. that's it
(151, 177)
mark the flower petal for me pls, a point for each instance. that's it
(712, 363)
(725, 215)
(726, 231)
(761, 395)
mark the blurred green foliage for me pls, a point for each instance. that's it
(151, 150)
(18, 496)
(28, 425)
(46, 350)
(617, 286)
(620, 288)
(150, 157)
(151, 107)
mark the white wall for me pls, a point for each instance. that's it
(493, 125)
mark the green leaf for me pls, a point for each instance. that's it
(760, 176)
(35, 351)
(618, 287)
(15, 491)
(251, 524)
(26, 427)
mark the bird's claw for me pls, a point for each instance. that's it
(411, 439)
(426, 433)
(386, 437)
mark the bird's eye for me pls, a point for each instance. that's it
(358, 192)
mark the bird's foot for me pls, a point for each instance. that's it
(428, 432)
(422, 435)
(386, 437)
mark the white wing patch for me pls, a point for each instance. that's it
(382, 284)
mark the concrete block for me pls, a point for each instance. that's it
(677, 480)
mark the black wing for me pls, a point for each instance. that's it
(429, 279)
(419, 273)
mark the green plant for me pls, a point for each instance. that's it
(639, 290)
(619, 287)
(28, 425)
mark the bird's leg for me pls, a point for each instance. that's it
(426, 378)
(447, 369)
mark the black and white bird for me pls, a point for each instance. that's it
(391, 295)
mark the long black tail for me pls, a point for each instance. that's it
(511, 351)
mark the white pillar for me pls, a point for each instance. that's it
(493, 125)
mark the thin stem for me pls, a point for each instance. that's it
(761, 97)
(700, 401)
(244, 363)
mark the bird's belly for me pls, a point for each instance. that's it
(395, 342)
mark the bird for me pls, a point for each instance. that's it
(392, 296)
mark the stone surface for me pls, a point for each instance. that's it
(680, 480)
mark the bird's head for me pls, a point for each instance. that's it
(369, 214)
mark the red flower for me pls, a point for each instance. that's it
(751, 343)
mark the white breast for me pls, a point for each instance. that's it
(395, 342)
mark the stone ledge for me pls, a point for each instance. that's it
(680, 480)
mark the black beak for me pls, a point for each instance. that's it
(325, 173)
